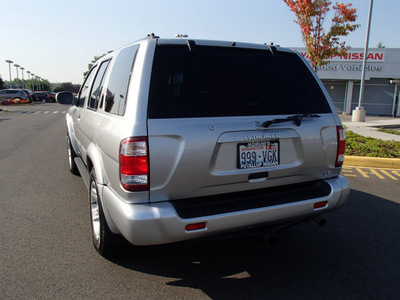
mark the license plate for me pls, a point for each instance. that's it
(258, 154)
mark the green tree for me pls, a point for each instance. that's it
(381, 45)
(1, 83)
(46, 85)
(33, 84)
(66, 86)
(96, 58)
(311, 15)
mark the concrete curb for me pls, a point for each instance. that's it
(374, 162)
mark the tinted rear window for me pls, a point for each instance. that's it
(219, 81)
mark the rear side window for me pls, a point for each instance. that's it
(221, 81)
(117, 89)
(98, 86)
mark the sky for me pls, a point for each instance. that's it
(57, 39)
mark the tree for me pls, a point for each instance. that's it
(67, 86)
(311, 15)
(1, 83)
(381, 45)
(96, 58)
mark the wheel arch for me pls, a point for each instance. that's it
(94, 162)
(71, 133)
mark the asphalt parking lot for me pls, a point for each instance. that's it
(46, 249)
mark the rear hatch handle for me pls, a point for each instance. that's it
(296, 119)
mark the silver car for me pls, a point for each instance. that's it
(179, 139)
(15, 94)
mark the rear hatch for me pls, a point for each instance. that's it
(229, 119)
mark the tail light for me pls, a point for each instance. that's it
(134, 164)
(341, 137)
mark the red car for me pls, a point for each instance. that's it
(52, 96)
(40, 96)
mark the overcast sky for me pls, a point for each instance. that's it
(57, 39)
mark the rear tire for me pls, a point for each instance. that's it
(73, 168)
(104, 241)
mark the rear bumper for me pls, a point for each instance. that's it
(159, 223)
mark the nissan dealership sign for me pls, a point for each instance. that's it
(354, 56)
(381, 63)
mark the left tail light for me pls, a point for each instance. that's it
(341, 149)
(134, 164)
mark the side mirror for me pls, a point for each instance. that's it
(66, 98)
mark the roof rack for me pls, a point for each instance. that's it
(152, 36)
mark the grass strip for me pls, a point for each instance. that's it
(387, 130)
(359, 145)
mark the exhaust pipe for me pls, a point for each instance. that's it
(319, 220)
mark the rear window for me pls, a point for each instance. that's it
(221, 81)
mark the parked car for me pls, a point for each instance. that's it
(13, 94)
(6, 102)
(29, 93)
(40, 96)
(52, 96)
(179, 139)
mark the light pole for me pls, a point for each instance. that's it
(29, 79)
(17, 66)
(23, 82)
(33, 81)
(359, 113)
(39, 85)
(9, 67)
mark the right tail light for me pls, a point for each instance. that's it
(341, 149)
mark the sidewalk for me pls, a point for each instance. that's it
(370, 126)
(369, 129)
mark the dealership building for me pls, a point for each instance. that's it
(342, 77)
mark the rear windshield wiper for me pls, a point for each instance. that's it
(296, 119)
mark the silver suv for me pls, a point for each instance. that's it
(15, 94)
(179, 139)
